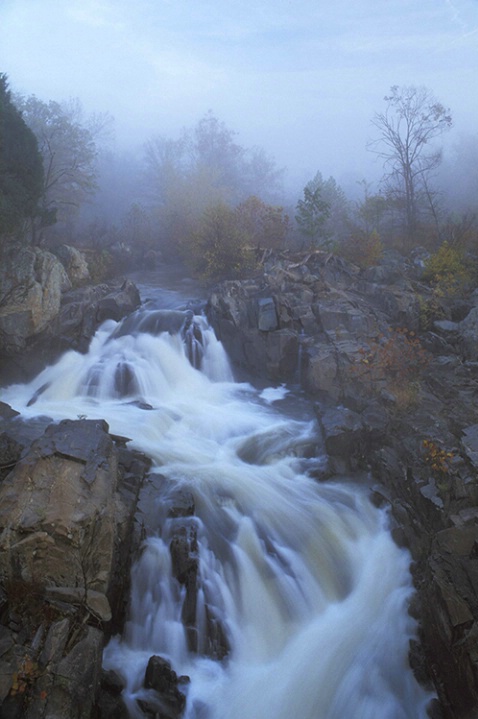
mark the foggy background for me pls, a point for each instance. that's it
(299, 79)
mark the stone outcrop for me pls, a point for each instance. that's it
(32, 283)
(74, 263)
(169, 700)
(42, 314)
(67, 533)
(183, 549)
(333, 329)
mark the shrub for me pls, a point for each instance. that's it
(363, 249)
(218, 249)
(437, 458)
(394, 362)
(448, 271)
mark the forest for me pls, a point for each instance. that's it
(203, 199)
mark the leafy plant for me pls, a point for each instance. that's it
(363, 249)
(394, 362)
(219, 248)
(399, 356)
(25, 677)
(437, 458)
(312, 212)
(448, 271)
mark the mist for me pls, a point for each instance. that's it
(300, 80)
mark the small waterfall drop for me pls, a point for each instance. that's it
(300, 595)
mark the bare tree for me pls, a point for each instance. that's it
(69, 150)
(411, 121)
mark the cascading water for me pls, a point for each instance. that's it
(302, 581)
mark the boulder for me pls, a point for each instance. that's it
(68, 536)
(342, 430)
(161, 677)
(23, 353)
(57, 509)
(75, 264)
(33, 282)
(468, 329)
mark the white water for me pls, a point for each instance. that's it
(304, 577)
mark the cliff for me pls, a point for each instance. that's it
(395, 393)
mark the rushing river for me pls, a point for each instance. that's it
(302, 576)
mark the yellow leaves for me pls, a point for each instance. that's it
(438, 459)
(448, 271)
(25, 676)
(398, 357)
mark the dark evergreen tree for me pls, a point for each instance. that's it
(21, 168)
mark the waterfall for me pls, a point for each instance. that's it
(300, 596)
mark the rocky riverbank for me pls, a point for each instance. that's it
(68, 499)
(394, 390)
(394, 399)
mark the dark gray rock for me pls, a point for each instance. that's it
(342, 430)
(267, 315)
(161, 677)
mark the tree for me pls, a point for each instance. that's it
(204, 167)
(219, 247)
(313, 211)
(21, 169)
(69, 155)
(411, 121)
(213, 147)
(370, 212)
(265, 226)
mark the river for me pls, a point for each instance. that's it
(302, 576)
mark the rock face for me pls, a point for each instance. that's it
(163, 679)
(74, 263)
(57, 515)
(43, 313)
(66, 536)
(395, 401)
(185, 568)
(32, 282)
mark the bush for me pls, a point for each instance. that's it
(448, 271)
(394, 362)
(219, 249)
(363, 249)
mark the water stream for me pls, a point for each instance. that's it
(301, 576)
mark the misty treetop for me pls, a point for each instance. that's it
(69, 150)
(202, 169)
(412, 120)
(204, 198)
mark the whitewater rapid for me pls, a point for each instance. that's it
(303, 576)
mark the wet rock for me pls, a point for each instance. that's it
(468, 329)
(182, 505)
(75, 264)
(267, 315)
(470, 443)
(10, 452)
(185, 567)
(342, 429)
(70, 323)
(67, 521)
(337, 311)
(110, 704)
(57, 508)
(163, 679)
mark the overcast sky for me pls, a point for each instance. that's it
(300, 78)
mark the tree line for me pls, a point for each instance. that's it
(205, 199)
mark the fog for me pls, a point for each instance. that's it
(301, 79)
